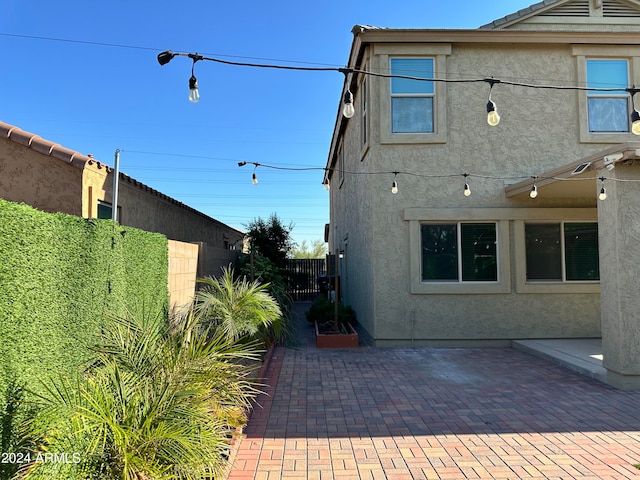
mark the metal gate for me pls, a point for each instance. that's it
(302, 277)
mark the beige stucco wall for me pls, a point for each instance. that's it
(95, 188)
(212, 260)
(183, 267)
(144, 209)
(45, 183)
(539, 130)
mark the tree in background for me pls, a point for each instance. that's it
(318, 249)
(270, 246)
(271, 239)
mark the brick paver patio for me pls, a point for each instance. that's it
(423, 413)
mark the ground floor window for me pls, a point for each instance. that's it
(459, 252)
(562, 251)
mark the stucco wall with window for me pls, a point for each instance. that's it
(540, 129)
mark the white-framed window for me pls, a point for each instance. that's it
(412, 101)
(608, 112)
(604, 117)
(424, 60)
(562, 252)
(459, 252)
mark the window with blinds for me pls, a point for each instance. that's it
(562, 252)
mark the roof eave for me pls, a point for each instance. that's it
(617, 153)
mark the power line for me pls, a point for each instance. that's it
(134, 47)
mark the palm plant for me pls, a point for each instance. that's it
(155, 404)
(238, 308)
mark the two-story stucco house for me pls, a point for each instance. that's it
(459, 228)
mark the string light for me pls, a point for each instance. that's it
(533, 193)
(467, 190)
(635, 115)
(194, 94)
(534, 189)
(254, 176)
(493, 118)
(167, 56)
(394, 185)
(603, 191)
(349, 110)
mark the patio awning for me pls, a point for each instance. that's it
(577, 179)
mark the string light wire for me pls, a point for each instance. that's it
(467, 190)
(348, 111)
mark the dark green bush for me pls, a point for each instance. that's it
(322, 310)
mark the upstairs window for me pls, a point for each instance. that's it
(560, 252)
(412, 101)
(608, 111)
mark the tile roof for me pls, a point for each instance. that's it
(525, 12)
(79, 160)
(43, 146)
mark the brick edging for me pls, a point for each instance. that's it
(243, 447)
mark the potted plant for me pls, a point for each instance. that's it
(333, 323)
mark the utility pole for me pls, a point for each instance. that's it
(116, 175)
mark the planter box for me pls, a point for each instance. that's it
(337, 340)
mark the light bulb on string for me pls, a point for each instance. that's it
(194, 94)
(394, 185)
(254, 179)
(348, 110)
(635, 115)
(635, 122)
(467, 189)
(534, 189)
(493, 118)
(603, 191)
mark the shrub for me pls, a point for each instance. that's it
(239, 309)
(322, 310)
(154, 404)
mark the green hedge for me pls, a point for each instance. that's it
(59, 275)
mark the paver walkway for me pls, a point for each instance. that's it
(423, 413)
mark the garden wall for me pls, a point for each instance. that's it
(59, 275)
(183, 269)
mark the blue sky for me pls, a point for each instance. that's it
(101, 89)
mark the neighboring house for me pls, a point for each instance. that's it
(430, 265)
(52, 178)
